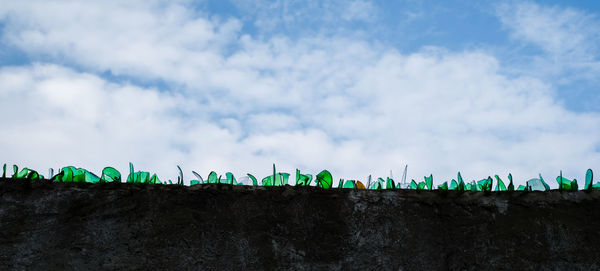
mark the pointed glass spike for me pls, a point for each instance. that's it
(16, 170)
(511, 186)
(212, 177)
(154, 179)
(349, 184)
(389, 183)
(589, 176)
(546, 186)
(500, 186)
(360, 185)
(131, 176)
(230, 178)
(413, 185)
(267, 181)
(198, 176)
(324, 179)
(421, 186)
(461, 186)
(341, 183)
(521, 188)
(110, 174)
(254, 181)
(429, 182)
(274, 178)
(453, 184)
(443, 186)
(460, 179)
(4, 171)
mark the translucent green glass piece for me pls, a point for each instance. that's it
(443, 186)
(485, 184)
(596, 186)
(566, 184)
(349, 184)
(194, 182)
(154, 179)
(303, 179)
(90, 177)
(460, 179)
(453, 184)
(230, 178)
(389, 183)
(131, 176)
(468, 187)
(110, 174)
(500, 186)
(4, 171)
(212, 177)
(324, 179)
(413, 185)
(429, 182)
(254, 181)
(421, 186)
(511, 186)
(15, 170)
(267, 181)
(284, 178)
(521, 188)
(377, 185)
(589, 176)
(546, 186)
(461, 186)
(144, 177)
(341, 183)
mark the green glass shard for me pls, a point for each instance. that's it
(468, 187)
(267, 181)
(500, 186)
(303, 179)
(349, 184)
(110, 174)
(429, 182)
(566, 184)
(485, 184)
(16, 170)
(413, 185)
(230, 178)
(254, 181)
(546, 186)
(377, 185)
(511, 186)
(596, 186)
(389, 183)
(443, 186)
(421, 186)
(324, 179)
(154, 179)
(90, 177)
(194, 182)
(460, 179)
(521, 188)
(453, 185)
(4, 171)
(212, 177)
(341, 183)
(284, 178)
(589, 176)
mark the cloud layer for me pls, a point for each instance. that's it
(162, 84)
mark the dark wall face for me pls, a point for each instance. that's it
(124, 226)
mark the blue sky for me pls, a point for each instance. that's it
(357, 87)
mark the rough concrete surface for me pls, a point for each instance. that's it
(52, 226)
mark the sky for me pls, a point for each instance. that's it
(353, 86)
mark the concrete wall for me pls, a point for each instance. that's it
(123, 226)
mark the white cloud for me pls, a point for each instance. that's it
(569, 37)
(235, 102)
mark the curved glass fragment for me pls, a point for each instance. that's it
(254, 181)
(110, 174)
(324, 179)
(500, 184)
(443, 186)
(349, 184)
(360, 185)
(589, 176)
